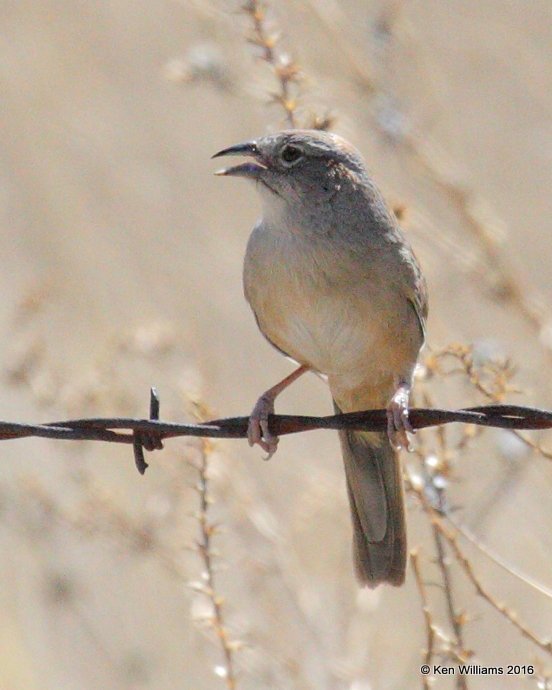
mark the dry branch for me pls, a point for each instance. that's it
(428, 618)
(435, 516)
(284, 68)
(207, 586)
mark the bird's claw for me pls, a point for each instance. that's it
(258, 432)
(398, 423)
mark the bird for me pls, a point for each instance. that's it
(335, 286)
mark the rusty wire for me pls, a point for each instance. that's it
(149, 433)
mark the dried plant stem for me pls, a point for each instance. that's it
(462, 559)
(457, 648)
(284, 68)
(428, 618)
(501, 562)
(208, 587)
(451, 539)
(534, 445)
(495, 393)
(455, 619)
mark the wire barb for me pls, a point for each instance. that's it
(149, 440)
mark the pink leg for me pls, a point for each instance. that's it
(398, 423)
(258, 431)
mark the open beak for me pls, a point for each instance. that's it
(252, 170)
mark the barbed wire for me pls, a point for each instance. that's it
(149, 434)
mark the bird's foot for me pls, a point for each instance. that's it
(398, 424)
(258, 431)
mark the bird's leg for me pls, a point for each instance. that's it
(398, 423)
(258, 431)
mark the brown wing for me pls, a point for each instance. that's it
(418, 300)
(417, 289)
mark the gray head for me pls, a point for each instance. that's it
(299, 166)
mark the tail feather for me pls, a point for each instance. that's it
(375, 488)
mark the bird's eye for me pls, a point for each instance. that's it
(291, 154)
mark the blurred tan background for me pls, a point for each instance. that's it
(121, 268)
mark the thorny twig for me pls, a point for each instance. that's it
(456, 619)
(142, 538)
(494, 392)
(454, 616)
(434, 474)
(492, 380)
(428, 618)
(207, 586)
(433, 632)
(284, 68)
(495, 558)
(461, 558)
(437, 524)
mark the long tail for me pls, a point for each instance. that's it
(375, 487)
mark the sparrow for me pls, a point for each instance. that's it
(334, 285)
